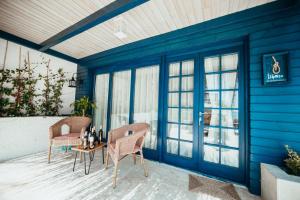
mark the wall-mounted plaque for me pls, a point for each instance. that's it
(275, 68)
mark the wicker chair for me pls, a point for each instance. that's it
(120, 145)
(77, 127)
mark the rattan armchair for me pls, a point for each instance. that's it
(77, 126)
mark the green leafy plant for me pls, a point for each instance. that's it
(51, 94)
(293, 161)
(82, 106)
(5, 91)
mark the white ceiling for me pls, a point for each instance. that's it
(38, 20)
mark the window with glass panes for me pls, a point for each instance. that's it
(180, 108)
(221, 121)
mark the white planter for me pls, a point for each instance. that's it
(21, 136)
(276, 184)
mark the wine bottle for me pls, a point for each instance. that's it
(100, 134)
(85, 140)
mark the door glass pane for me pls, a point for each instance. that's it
(230, 99)
(146, 101)
(172, 146)
(188, 67)
(120, 99)
(211, 154)
(173, 100)
(187, 83)
(174, 69)
(173, 84)
(187, 99)
(187, 116)
(230, 80)
(173, 130)
(230, 137)
(229, 62)
(230, 118)
(186, 149)
(211, 64)
(211, 117)
(230, 157)
(211, 135)
(212, 81)
(173, 115)
(101, 101)
(186, 132)
(211, 100)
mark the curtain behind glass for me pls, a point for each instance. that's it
(146, 101)
(101, 100)
(120, 99)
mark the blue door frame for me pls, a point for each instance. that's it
(196, 54)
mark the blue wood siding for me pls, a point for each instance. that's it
(85, 89)
(274, 111)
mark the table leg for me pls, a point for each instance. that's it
(103, 155)
(75, 161)
(87, 172)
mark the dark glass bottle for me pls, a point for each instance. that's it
(100, 134)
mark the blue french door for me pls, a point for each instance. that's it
(180, 141)
(204, 108)
(220, 118)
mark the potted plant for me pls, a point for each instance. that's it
(82, 106)
(283, 182)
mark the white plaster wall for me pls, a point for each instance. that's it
(21, 136)
(12, 62)
(276, 184)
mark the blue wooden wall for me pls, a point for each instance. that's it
(274, 117)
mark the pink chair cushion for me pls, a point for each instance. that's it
(69, 136)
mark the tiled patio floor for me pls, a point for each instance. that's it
(30, 177)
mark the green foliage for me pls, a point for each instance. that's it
(5, 91)
(293, 161)
(82, 106)
(51, 94)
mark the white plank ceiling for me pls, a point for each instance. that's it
(37, 20)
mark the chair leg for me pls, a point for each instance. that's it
(80, 155)
(134, 158)
(49, 153)
(115, 175)
(144, 165)
(106, 160)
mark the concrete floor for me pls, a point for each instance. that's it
(30, 177)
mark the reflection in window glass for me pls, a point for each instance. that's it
(173, 84)
(230, 99)
(174, 69)
(187, 116)
(187, 83)
(173, 115)
(186, 132)
(211, 135)
(172, 146)
(186, 149)
(211, 100)
(211, 154)
(212, 81)
(187, 99)
(229, 62)
(188, 67)
(173, 130)
(211, 64)
(101, 101)
(230, 118)
(146, 109)
(230, 157)
(230, 137)
(173, 99)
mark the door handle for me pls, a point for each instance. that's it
(200, 116)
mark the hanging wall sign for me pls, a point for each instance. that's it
(275, 68)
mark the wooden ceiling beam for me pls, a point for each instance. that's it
(111, 10)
